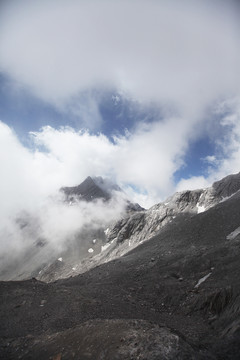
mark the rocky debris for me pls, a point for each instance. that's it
(135, 227)
(139, 226)
(144, 302)
(108, 339)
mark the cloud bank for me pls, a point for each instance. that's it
(155, 50)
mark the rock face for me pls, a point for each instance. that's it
(140, 227)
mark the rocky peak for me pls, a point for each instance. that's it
(93, 188)
(88, 190)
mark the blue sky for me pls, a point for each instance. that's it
(143, 92)
(25, 113)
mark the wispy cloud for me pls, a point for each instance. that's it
(227, 147)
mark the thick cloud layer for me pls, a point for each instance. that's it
(182, 53)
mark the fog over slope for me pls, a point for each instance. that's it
(37, 236)
(93, 223)
(175, 296)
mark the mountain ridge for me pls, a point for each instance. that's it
(138, 227)
(175, 296)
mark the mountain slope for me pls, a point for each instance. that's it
(93, 205)
(176, 296)
(138, 227)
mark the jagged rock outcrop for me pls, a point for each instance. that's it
(140, 227)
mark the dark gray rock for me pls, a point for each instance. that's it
(88, 190)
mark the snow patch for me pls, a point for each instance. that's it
(94, 241)
(90, 250)
(200, 209)
(202, 280)
(104, 247)
(234, 234)
(60, 259)
(106, 231)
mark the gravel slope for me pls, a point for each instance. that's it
(176, 296)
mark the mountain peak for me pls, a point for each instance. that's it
(88, 190)
(96, 187)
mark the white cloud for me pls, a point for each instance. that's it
(30, 179)
(146, 159)
(159, 50)
(211, 159)
(30, 182)
(193, 183)
(227, 158)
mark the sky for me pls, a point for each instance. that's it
(143, 92)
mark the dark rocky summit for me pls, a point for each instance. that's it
(40, 258)
(88, 190)
(175, 296)
(93, 188)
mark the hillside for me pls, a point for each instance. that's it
(175, 296)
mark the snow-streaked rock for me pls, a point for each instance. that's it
(234, 234)
(200, 281)
(141, 226)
